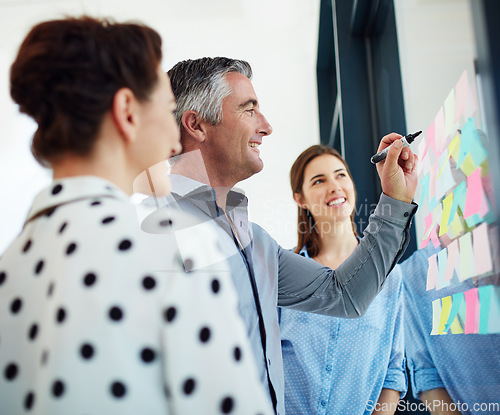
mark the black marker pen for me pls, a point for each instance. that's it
(407, 140)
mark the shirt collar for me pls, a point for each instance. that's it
(184, 187)
(71, 189)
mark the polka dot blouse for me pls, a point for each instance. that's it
(99, 316)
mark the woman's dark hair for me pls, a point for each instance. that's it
(306, 227)
(67, 72)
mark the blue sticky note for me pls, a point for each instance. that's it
(456, 304)
(485, 293)
(459, 196)
(471, 144)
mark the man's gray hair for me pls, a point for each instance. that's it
(199, 85)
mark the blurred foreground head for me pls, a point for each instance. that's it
(67, 72)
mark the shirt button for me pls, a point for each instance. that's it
(323, 403)
(406, 214)
(328, 368)
(269, 362)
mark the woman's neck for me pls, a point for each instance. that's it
(337, 242)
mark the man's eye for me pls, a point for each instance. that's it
(251, 111)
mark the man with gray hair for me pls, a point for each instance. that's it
(221, 130)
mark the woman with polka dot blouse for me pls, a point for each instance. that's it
(334, 365)
(99, 316)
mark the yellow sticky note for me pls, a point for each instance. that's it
(449, 113)
(457, 226)
(447, 204)
(468, 166)
(456, 327)
(445, 313)
(454, 148)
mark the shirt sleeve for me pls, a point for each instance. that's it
(396, 372)
(348, 291)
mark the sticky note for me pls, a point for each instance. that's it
(447, 204)
(467, 268)
(436, 316)
(439, 131)
(452, 262)
(472, 311)
(457, 226)
(445, 313)
(473, 199)
(470, 144)
(460, 96)
(454, 148)
(433, 177)
(482, 252)
(494, 317)
(456, 302)
(468, 165)
(449, 113)
(424, 186)
(431, 143)
(432, 273)
(459, 198)
(485, 294)
(445, 179)
(442, 261)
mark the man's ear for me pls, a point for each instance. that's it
(194, 126)
(124, 112)
(299, 199)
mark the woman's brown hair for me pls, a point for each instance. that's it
(308, 236)
(67, 72)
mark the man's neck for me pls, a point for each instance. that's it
(192, 166)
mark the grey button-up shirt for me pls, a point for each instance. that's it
(286, 279)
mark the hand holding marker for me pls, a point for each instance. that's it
(407, 140)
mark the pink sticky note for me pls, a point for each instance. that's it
(482, 253)
(439, 131)
(433, 179)
(431, 145)
(475, 194)
(435, 239)
(452, 262)
(432, 273)
(472, 311)
(460, 96)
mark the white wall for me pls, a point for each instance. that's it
(277, 37)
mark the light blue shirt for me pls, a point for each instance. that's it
(340, 366)
(466, 365)
(287, 279)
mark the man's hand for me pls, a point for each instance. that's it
(397, 172)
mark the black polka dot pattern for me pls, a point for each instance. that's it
(148, 283)
(227, 405)
(58, 389)
(16, 306)
(148, 355)
(39, 267)
(169, 314)
(89, 279)
(99, 304)
(125, 245)
(57, 189)
(205, 334)
(118, 390)
(29, 401)
(87, 351)
(189, 386)
(115, 313)
(11, 371)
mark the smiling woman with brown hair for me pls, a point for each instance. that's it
(334, 365)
